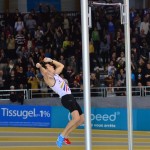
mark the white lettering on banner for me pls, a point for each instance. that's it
(102, 120)
(102, 117)
(24, 113)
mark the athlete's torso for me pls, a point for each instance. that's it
(60, 87)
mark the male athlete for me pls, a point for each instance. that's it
(58, 85)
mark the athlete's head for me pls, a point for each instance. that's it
(48, 65)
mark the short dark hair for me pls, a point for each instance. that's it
(44, 64)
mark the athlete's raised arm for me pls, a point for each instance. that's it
(59, 66)
(42, 70)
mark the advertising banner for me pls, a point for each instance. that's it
(58, 117)
(25, 116)
(101, 118)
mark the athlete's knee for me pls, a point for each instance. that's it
(76, 119)
(81, 121)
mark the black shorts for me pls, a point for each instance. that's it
(70, 103)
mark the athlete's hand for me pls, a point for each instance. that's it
(46, 59)
(38, 65)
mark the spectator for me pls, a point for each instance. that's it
(10, 41)
(109, 80)
(138, 76)
(8, 18)
(121, 61)
(16, 15)
(31, 62)
(58, 36)
(140, 91)
(2, 80)
(72, 62)
(144, 27)
(121, 76)
(111, 28)
(118, 39)
(20, 94)
(135, 47)
(110, 91)
(96, 40)
(43, 87)
(35, 55)
(104, 49)
(113, 58)
(19, 25)
(136, 34)
(75, 88)
(97, 72)
(111, 69)
(20, 39)
(66, 46)
(13, 95)
(147, 74)
(48, 44)
(133, 78)
(30, 72)
(94, 59)
(94, 84)
(34, 81)
(2, 56)
(31, 24)
(119, 90)
(3, 41)
(137, 21)
(48, 32)
(29, 43)
(132, 16)
(10, 66)
(21, 77)
(62, 60)
(142, 64)
(70, 74)
(38, 35)
(66, 25)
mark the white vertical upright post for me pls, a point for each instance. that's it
(128, 74)
(86, 73)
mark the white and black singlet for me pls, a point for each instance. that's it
(67, 99)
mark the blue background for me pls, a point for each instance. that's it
(33, 4)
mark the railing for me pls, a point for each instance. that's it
(5, 94)
(77, 92)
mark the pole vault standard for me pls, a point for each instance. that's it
(128, 74)
(85, 19)
(86, 73)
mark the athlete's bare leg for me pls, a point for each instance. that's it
(76, 125)
(71, 124)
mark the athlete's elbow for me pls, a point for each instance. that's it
(62, 66)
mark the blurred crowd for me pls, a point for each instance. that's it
(26, 39)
